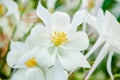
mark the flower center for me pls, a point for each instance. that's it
(31, 62)
(59, 38)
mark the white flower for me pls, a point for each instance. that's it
(58, 39)
(62, 41)
(12, 8)
(30, 69)
(54, 73)
(108, 29)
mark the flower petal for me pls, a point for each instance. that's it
(50, 74)
(109, 65)
(26, 56)
(78, 41)
(38, 36)
(43, 14)
(59, 71)
(103, 24)
(99, 58)
(60, 21)
(116, 47)
(19, 75)
(91, 20)
(12, 8)
(71, 59)
(97, 44)
(17, 51)
(16, 45)
(51, 4)
(114, 28)
(78, 19)
(46, 56)
(34, 74)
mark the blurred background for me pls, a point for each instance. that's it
(10, 29)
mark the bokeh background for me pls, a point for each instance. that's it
(9, 30)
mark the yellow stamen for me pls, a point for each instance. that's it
(1, 9)
(31, 62)
(59, 38)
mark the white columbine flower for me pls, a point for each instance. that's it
(108, 29)
(35, 73)
(57, 39)
(12, 8)
(30, 69)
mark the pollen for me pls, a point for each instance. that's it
(59, 38)
(31, 62)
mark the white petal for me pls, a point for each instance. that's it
(46, 57)
(12, 8)
(103, 24)
(56, 74)
(116, 47)
(109, 65)
(114, 26)
(43, 14)
(78, 19)
(60, 21)
(114, 31)
(99, 58)
(16, 45)
(17, 51)
(26, 56)
(91, 20)
(77, 41)
(50, 74)
(12, 57)
(99, 23)
(34, 74)
(51, 4)
(38, 36)
(71, 59)
(19, 75)
(59, 71)
(97, 44)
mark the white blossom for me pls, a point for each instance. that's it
(108, 29)
(58, 39)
